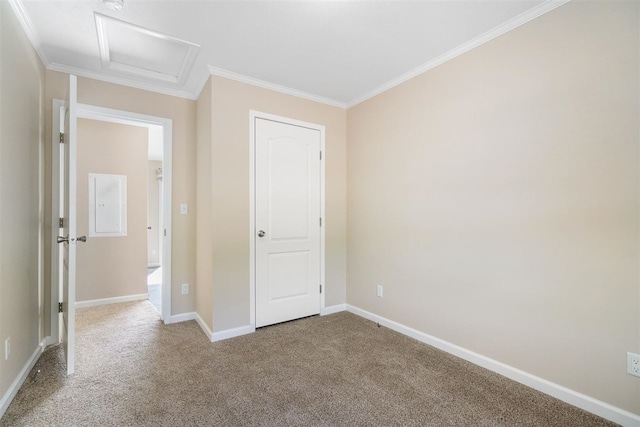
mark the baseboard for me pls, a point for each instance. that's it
(22, 376)
(333, 309)
(115, 300)
(182, 317)
(232, 333)
(565, 394)
(204, 327)
(213, 336)
(50, 341)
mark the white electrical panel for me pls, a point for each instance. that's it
(107, 205)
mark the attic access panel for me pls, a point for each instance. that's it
(130, 49)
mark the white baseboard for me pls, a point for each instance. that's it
(333, 309)
(217, 336)
(49, 341)
(232, 333)
(115, 300)
(182, 317)
(204, 327)
(565, 394)
(248, 329)
(22, 376)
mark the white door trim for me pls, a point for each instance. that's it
(55, 215)
(253, 115)
(93, 112)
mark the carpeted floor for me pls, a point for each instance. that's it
(337, 370)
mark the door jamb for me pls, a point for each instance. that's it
(56, 127)
(93, 112)
(253, 115)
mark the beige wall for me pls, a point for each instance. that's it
(204, 238)
(496, 199)
(21, 143)
(183, 114)
(229, 216)
(153, 212)
(110, 267)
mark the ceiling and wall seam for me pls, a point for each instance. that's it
(122, 81)
(503, 28)
(29, 29)
(275, 87)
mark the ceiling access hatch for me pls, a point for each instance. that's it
(130, 49)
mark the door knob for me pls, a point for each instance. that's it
(81, 239)
(63, 239)
(261, 233)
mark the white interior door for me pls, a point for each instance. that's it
(68, 239)
(287, 221)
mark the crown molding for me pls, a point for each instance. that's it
(28, 28)
(32, 35)
(202, 85)
(122, 81)
(274, 87)
(513, 23)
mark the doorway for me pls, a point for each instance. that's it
(287, 210)
(163, 128)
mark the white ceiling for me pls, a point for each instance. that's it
(338, 52)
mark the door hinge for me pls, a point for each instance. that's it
(61, 138)
(165, 232)
(320, 222)
(60, 222)
(320, 288)
(59, 307)
(321, 155)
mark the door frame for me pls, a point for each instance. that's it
(56, 126)
(253, 115)
(93, 112)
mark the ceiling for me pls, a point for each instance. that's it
(336, 52)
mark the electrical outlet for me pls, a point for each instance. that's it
(7, 348)
(185, 289)
(380, 291)
(633, 364)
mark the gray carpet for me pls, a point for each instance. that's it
(337, 370)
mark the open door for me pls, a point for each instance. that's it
(68, 239)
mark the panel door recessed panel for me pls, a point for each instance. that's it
(289, 189)
(288, 275)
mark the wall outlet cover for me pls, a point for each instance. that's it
(633, 364)
(185, 289)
